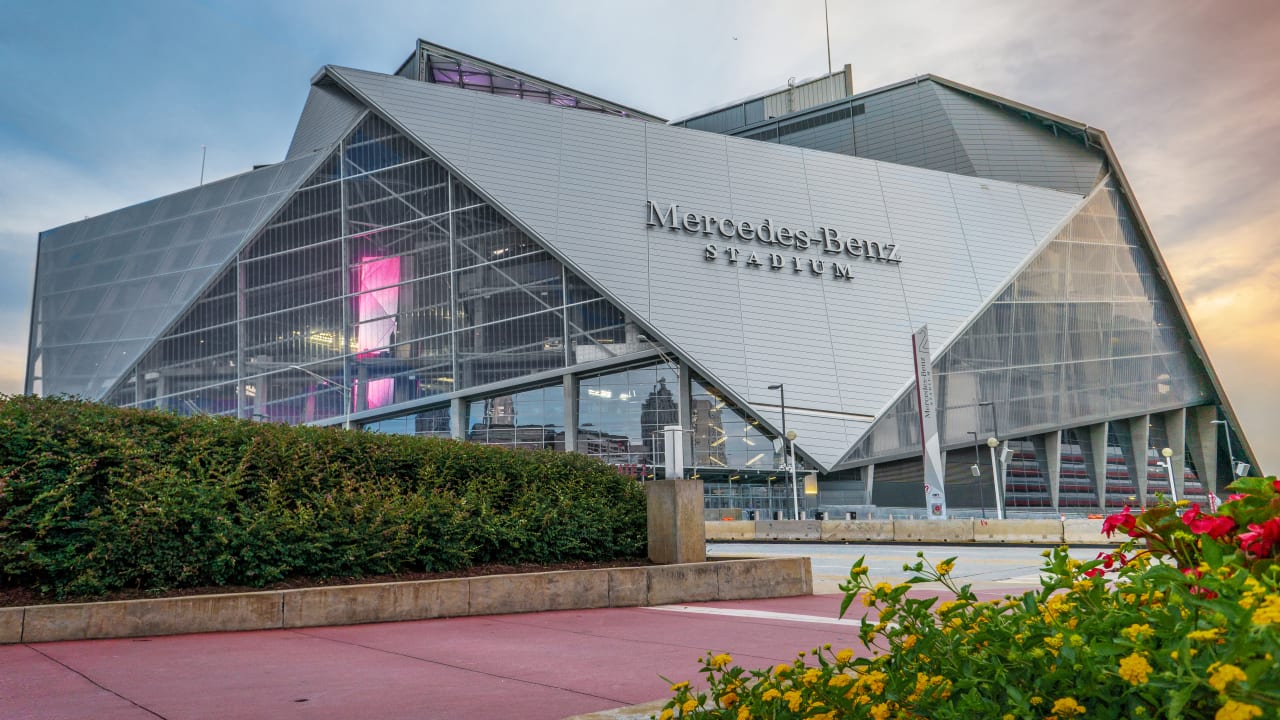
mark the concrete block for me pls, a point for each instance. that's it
(1043, 532)
(731, 530)
(692, 582)
(808, 530)
(857, 531)
(574, 590)
(764, 577)
(383, 602)
(933, 531)
(163, 616)
(10, 625)
(1078, 531)
(628, 587)
(503, 594)
(677, 529)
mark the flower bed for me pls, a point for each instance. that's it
(1182, 621)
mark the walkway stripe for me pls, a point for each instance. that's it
(758, 614)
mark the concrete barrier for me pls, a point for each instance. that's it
(412, 600)
(163, 616)
(731, 530)
(10, 625)
(857, 531)
(1048, 532)
(801, 530)
(1089, 532)
(933, 531)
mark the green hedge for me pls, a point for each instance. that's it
(95, 498)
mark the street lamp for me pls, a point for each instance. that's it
(795, 492)
(977, 472)
(1226, 430)
(346, 391)
(993, 443)
(1168, 468)
(790, 437)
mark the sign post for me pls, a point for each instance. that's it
(935, 496)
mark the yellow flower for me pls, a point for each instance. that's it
(680, 686)
(666, 714)
(909, 642)
(861, 570)
(744, 713)
(844, 655)
(944, 567)
(1066, 707)
(880, 712)
(1008, 716)
(720, 661)
(1233, 710)
(770, 694)
(728, 699)
(811, 676)
(1135, 668)
(1210, 634)
(792, 699)
(1220, 676)
(840, 681)
(782, 670)
(1136, 633)
(1268, 612)
(1036, 700)
(689, 705)
(1054, 642)
(868, 599)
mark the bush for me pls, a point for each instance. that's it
(1183, 621)
(95, 499)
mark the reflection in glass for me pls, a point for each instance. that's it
(532, 419)
(621, 415)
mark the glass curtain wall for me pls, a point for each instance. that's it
(621, 415)
(1085, 332)
(382, 281)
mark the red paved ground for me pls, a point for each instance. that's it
(543, 665)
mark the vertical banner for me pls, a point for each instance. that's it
(935, 497)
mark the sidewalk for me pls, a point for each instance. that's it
(539, 665)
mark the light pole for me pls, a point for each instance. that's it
(795, 492)
(977, 472)
(1231, 456)
(789, 437)
(346, 392)
(993, 443)
(1168, 468)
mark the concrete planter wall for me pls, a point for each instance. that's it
(976, 530)
(416, 600)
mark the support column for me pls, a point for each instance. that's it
(570, 382)
(869, 472)
(684, 409)
(1098, 449)
(1202, 441)
(677, 528)
(1140, 439)
(458, 419)
(1175, 424)
(1053, 460)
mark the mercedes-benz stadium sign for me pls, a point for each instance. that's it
(827, 251)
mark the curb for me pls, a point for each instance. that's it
(411, 600)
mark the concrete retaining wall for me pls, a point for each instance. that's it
(416, 600)
(975, 530)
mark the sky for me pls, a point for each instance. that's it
(103, 105)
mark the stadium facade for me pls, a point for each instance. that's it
(462, 249)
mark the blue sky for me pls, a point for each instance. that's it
(106, 104)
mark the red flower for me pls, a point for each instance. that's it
(1122, 519)
(1261, 538)
(1212, 525)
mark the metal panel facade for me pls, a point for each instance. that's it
(328, 114)
(745, 324)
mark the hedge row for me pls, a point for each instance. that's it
(95, 498)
